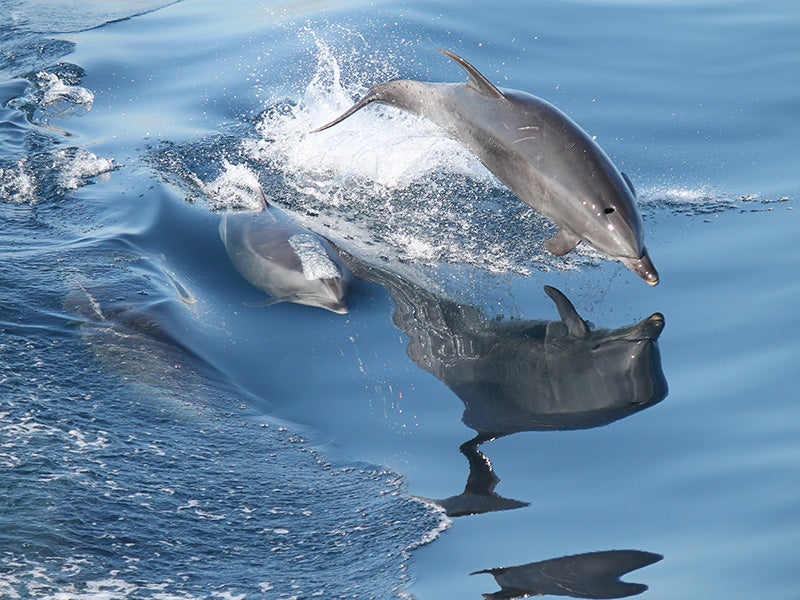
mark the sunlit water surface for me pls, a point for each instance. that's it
(160, 438)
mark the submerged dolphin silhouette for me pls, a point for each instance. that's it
(285, 260)
(539, 153)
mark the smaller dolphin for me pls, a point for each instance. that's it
(285, 260)
(547, 160)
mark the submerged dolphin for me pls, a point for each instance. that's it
(539, 153)
(285, 260)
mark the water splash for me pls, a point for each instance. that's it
(77, 167)
(390, 187)
(382, 146)
(17, 184)
(236, 188)
(704, 201)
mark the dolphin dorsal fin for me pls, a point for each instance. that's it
(575, 324)
(629, 182)
(477, 82)
(264, 202)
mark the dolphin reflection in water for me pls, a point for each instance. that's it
(524, 375)
(518, 375)
(590, 575)
(285, 260)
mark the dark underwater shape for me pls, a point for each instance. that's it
(543, 156)
(523, 375)
(285, 260)
(478, 496)
(529, 375)
(146, 343)
(591, 575)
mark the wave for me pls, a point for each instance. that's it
(37, 164)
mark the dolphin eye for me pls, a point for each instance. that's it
(609, 210)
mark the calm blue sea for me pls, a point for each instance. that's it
(162, 439)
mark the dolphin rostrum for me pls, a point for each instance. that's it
(539, 153)
(285, 260)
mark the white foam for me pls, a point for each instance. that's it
(314, 259)
(78, 168)
(236, 188)
(381, 145)
(62, 98)
(690, 196)
(443, 525)
(17, 185)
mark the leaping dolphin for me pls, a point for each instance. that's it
(546, 159)
(285, 260)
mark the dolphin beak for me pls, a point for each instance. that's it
(643, 267)
(340, 307)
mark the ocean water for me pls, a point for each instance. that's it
(448, 437)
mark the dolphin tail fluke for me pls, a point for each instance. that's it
(371, 96)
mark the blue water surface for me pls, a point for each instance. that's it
(159, 438)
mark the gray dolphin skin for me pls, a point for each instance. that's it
(546, 159)
(285, 260)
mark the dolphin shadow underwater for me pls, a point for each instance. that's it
(146, 342)
(287, 261)
(536, 150)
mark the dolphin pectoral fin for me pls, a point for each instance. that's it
(575, 324)
(371, 96)
(563, 242)
(267, 302)
(477, 81)
(629, 182)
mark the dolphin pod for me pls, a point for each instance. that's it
(285, 260)
(546, 159)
